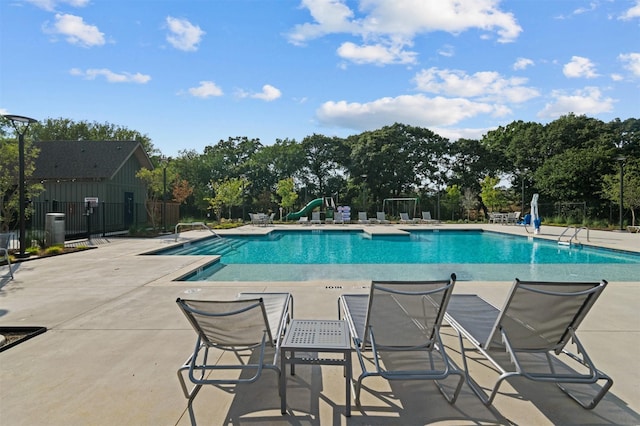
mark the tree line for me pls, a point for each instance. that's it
(573, 160)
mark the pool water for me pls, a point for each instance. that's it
(355, 255)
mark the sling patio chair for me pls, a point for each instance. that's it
(337, 218)
(381, 218)
(362, 218)
(398, 322)
(535, 327)
(315, 218)
(426, 218)
(5, 239)
(404, 218)
(253, 321)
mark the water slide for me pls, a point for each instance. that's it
(305, 210)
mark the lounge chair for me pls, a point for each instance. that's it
(304, 220)
(337, 218)
(380, 218)
(426, 218)
(513, 218)
(315, 218)
(535, 326)
(400, 320)
(254, 321)
(362, 218)
(404, 218)
(5, 239)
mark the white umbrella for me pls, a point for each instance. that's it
(535, 216)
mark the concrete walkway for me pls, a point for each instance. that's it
(115, 339)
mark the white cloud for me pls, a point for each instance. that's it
(522, 63)
(455, 134)
(50, 5)
(579, 67)
(588, 101)
(592, 6)
(631, 62)
(376, 54)
(183, 35)
(331, 16)
(485, 85)
(76, 31)
(447, 51)
(394, 24)
(417, 110)
(110, 76)
(206, 89)
(632, 13)
(269, 93)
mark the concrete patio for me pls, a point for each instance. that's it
(115, 339)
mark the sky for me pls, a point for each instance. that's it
(189, 73)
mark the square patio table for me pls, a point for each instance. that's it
(319, 337)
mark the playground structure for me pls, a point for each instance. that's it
(394, 206)
(325, 203)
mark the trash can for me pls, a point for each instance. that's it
(54, 229)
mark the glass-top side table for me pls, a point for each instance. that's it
(319, 337)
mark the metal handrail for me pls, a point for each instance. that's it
(202, 224)
(574, 236)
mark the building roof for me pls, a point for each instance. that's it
(93, 160)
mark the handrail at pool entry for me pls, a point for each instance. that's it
(573, 237)
(202, 224)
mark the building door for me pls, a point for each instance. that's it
(128, 209)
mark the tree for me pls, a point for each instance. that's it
(631, 187)
(9, 172)
(574, 176)
(322, 155)
(453, 199)
(469, 201)
(181, 191)
(286, 191)
(229, 193)
(491, 195)
(396, 159)
(64, 129)
(154, 181)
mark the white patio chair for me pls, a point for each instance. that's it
(398, 322)
(534, 327)
(254, 321)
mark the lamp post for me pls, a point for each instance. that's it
(364, 182)
(243, 179)
(164, 198)
(21, 124)
(621, 160)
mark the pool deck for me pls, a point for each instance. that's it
(115, 339)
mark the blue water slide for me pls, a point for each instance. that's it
(305, 210)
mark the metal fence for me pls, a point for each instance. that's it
(79, 221)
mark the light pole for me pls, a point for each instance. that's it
(621, 160)
(364, 183)
(21, 124)
(164, 198)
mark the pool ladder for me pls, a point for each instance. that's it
(574, 237)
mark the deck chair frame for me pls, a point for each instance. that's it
(433, 295)
(519, 337)
(255, 309)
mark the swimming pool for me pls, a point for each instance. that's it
(356, 255)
